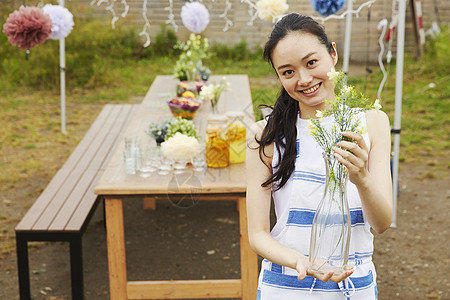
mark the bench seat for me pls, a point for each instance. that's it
(63, 210)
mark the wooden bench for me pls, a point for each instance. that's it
(63, 210)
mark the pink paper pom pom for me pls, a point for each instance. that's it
(27, 27)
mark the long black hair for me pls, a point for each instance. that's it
(281, 123)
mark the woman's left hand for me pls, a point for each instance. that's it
(354, 156)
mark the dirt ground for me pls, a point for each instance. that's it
(202, 242)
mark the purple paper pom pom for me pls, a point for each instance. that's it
(195, 16)
(327, 7)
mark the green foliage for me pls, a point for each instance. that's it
(183, 126)
(437, 53)
(164, 43)
(193, 52)
(238, 51)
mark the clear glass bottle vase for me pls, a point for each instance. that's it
(331, 227)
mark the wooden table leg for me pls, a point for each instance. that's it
(116, 249)
(249, 259)
(149, 203)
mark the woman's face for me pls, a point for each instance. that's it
(302, 64)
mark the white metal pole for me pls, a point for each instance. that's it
(348, 35)
(398, 103)
(62, 67)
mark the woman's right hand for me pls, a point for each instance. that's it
(303, 271)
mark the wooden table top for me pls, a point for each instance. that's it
(231, 179)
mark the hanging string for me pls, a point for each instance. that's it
(115, 18)
(110, 7)
(144, 31)
(126, 8)
(224, 15)
(382, 25)
(171, 17)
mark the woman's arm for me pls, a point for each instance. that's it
(369, 169)
(258, 213)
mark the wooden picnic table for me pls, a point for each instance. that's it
(214, 184)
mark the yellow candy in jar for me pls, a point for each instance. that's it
(236, 136)
(217, 151)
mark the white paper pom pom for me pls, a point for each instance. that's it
(62, 20)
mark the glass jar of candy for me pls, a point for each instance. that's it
(236, 136)
(217, 150)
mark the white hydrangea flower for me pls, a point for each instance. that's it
(180, 147)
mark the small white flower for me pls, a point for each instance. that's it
(347, 89)
(333, 74)
(319, 114)
(208, 92)
(377, 104)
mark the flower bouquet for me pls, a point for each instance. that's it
(183, 126)
(193, 52)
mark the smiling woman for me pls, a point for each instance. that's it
(285, 163)
(302, 64)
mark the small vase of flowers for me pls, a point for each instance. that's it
(331, 227)
(212, 92)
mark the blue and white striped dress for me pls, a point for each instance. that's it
(295, 206)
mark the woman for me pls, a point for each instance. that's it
(302, 55)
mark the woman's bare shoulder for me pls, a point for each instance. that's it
(377, 117)
(255, 133)
(378, 124)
